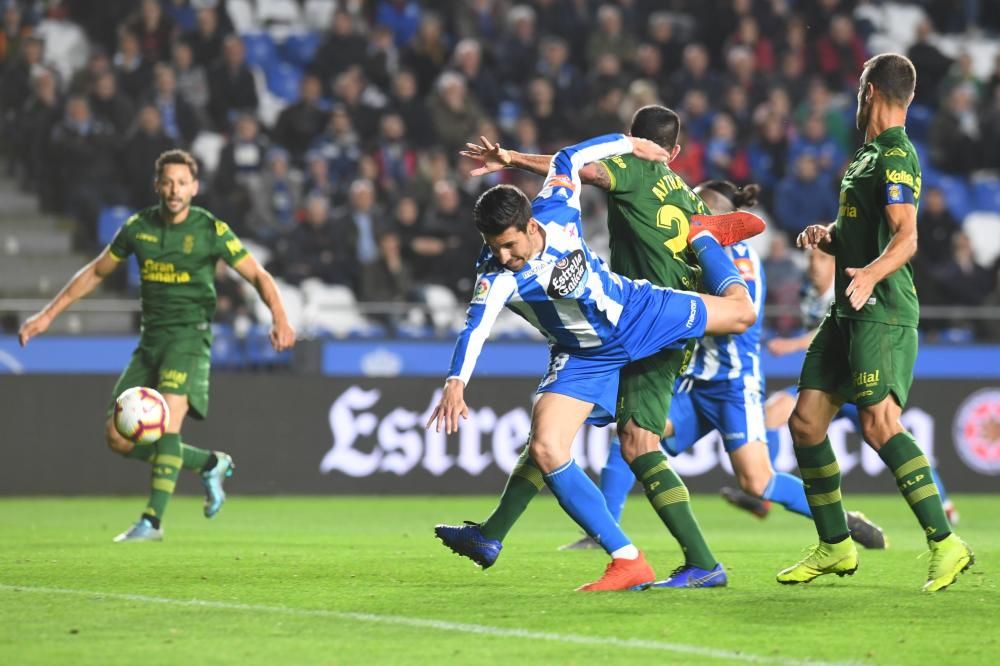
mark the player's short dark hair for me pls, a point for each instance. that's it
(739, 197)
(176, 156)
(894, 76)
(656, 123)
(499, 208)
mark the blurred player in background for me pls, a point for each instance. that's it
(649, 213)
(722, 389)
(865, 348)
(177, 247)
(597, 322)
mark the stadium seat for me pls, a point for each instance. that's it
(983, 230)
(293, 300)
(260, 48)
(957, 195)
(300, 48)
(207, 149)
(241, 13)
(987, 195)
(317, 14)
(445, 314)
(332, 309)
(109, 220)
(283, 80)
(279, 13)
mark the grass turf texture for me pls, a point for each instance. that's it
(286, 575)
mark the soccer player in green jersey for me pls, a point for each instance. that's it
(866, 346)
(649, 211)
(177, 246)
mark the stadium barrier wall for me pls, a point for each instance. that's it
(320, 435)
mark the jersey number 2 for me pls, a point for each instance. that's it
(676, 225)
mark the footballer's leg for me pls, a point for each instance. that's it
(214, 467)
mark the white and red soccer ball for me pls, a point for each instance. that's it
(141, 415)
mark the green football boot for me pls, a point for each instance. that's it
(949, 557)
(823, 558)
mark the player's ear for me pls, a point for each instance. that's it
(675, 151)
(194, 188)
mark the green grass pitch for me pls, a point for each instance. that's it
(327, 581)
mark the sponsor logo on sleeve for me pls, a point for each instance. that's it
(482, 289)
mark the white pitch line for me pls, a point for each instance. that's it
(444, 625)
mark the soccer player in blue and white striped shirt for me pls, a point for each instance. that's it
(537, 264)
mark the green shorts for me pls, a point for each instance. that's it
(171, 362)
(646, 387)
(860, 361)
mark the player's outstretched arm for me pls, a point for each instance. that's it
(783, 346)
(450, 407)
(902, 219)
(282, 333)
(492, 157)
(81, 284)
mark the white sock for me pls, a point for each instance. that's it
(628, 552)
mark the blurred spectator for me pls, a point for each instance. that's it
(300, 123)
(609, 36)
(517, 52)
(407, 103)
(276, 199)
(132, 69)
(154, 30)
(362, 102)
(840, 53)
(802, 198)
(737, 105)
(695, 75)
(340, 146)
(480, 81)
(342, 47)
(815, 142)
(482, 19)
(556, 66)
(206, 41)
(84, 80)
(240, 165)
(784, 285)
(723, 158)
(317, 175)
(649, 66)
(664, 38)
(84, 151)
(601, 117)
(961, 73)
(358, 226)
(180, 122)
(690, 164)
(192, 81)
(13, 34)
(766, 156)
(402, 17)
(141, 149)
(453, 114)
(182, 14)
(447, 244)
(741, 72)
(427, 53)
(396, 159)
(314, 250)
(794, 77)
(960, 280)
(993, 83)
(382, 58)
(991, 133)
(39, 115)
(930, 62)
(388, 279)
(698, 115)
(937, 228)
(110, 105)
(954, 134)
(760, 47)
(525, 139)
(819, 102)
(231, 84)
(231, 306)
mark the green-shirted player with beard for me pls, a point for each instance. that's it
(177, 246)
(649, 211)
(864, 350)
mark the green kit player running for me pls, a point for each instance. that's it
(177, 247)
(649, 211)
(865, 348)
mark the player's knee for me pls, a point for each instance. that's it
(877, 431)
(805, 428)
(754, 482)
(546, 453)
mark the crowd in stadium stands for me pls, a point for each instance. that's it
(328, 131)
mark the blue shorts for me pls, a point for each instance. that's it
(734, 407)
(848, 410)
(655, 319)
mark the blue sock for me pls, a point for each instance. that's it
(773, 444)
(787, 490)
(718, 270)
(940, 486)
(580, 498)
(616, 480)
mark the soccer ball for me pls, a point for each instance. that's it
(141, 415)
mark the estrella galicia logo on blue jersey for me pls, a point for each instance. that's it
(567, 276)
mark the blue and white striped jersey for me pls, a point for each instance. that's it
(814, 305)
(722, 357)
(567, 292)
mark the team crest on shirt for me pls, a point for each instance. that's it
(482, 289)
(567, 276)
(976, 431)
(188, 244)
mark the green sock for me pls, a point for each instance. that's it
(166, 467)
(821, 478)
(524, 483)
(672, 503)
(143, 452)
(194, 458)
(913, 476)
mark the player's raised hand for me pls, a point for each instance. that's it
(861, 287)
(490, 156)
(282, 336)
(451, 406)
(645, 149)
(34, 325)
(814, 236)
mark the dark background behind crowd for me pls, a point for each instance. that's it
(328, 131)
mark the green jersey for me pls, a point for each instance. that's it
(177, 264)
(649, 213)
(884, 171)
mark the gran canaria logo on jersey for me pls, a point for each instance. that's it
(567, 276)
(162, 271)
